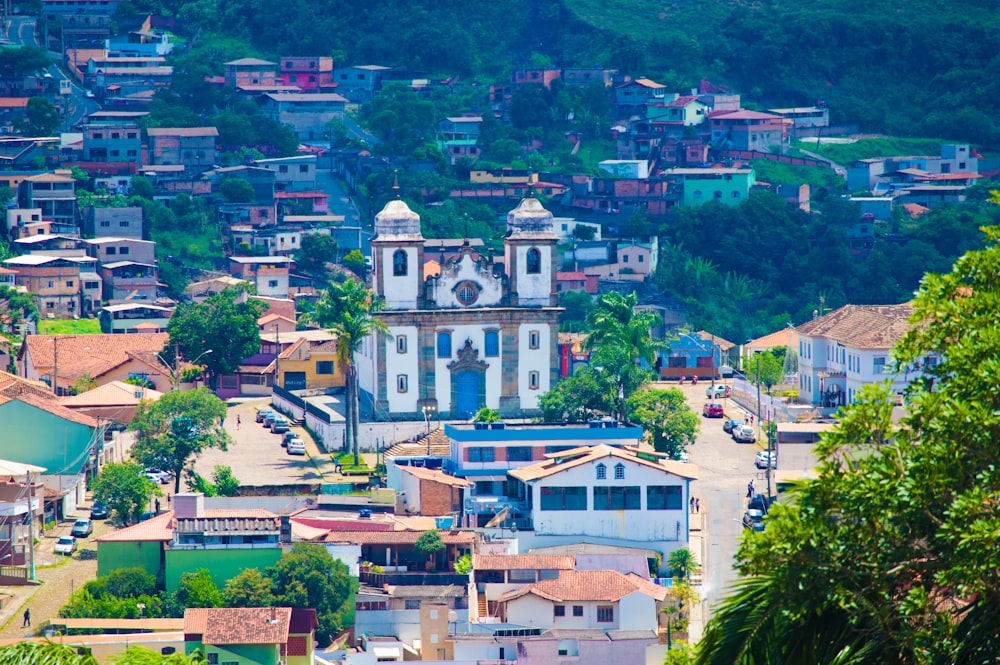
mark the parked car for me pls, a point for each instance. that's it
(682, 456)
(744, 434)
(759, 502)
(264, 413)
(157, 476)
(279, 426)
(731, 424)
(270, 418)
(753, 518)
(82, 528)
(99, 511)
(296, 447)
(288, 436)
(713, 410)
(65, 545)
(717, 391)
(766, 458)
(364, 513)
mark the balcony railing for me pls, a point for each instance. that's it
(413, 579)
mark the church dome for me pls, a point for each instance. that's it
(396, 219)
(529, 217)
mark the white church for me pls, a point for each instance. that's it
(476, 334)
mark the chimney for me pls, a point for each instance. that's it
(189, 504)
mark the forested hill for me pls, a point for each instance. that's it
(920, 67)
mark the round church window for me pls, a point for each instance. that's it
(467, 293)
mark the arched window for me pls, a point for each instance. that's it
(399, 263)
(602, 472)
(534, 262)
(619, 471)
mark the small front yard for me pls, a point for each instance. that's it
(69, 327)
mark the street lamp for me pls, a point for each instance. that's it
(427, 410)
(175, 372)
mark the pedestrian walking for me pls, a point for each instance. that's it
(750, 489)
(692, 504)
(237, 422)
(27, 618)
(157, 506)
(746, 418)
(697, 505)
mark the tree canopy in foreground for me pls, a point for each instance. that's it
(890, 554)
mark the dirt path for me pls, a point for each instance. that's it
(58, 582)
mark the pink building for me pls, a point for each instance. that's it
(308, 74)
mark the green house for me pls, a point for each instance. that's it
(729, 186)
(251, 635)
(38, 430)
(191, 537)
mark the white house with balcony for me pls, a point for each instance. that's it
(852, 347)
(605, 495)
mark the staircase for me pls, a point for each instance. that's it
(483, 606)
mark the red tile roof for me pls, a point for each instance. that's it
(51, 405)
(159, 528)
(396, 537)
(523, 562)
(92, 354)
(183, 131)
(862, 326)
(593, 585)
(239, 625)
(435, 476)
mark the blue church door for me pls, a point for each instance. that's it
(467, 398)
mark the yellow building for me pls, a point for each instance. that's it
(306, 365)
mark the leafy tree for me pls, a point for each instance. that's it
(123, 583)
(248, 589)
(429, 544)
(620, 338)
(488, 415)
(889, 554)
(349, 311)
(576, 308)
(315, 252)
(578, 398)
(764, 368)
(354, 261)
(584, 233)
(198, 589)
(45, 653)
(307, 576)
(666, 417)
(21, 61)
(463, 564)
(41, 118)
(237, 190)
(681, 563)
(16, 306)
(223, 482)
(637, 225)
(221, 324)
(124, 488)
(142, 187)
(176, 428)
(142, 656)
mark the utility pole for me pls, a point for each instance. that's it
(31, 530)
(55, 365)
(277, 354)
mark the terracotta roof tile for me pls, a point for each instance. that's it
(239, 625)
(523, 562)
(51, 405)
(862, 326)
(397, 537)
(567, 459)
(593, 585)
(116, 393)
(12, 385)
(440, 446)
(435, 476)
(723, 344)
(183, 131)
(93, 354)
(786, 337)
(159, 528)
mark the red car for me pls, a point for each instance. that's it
(713, 410)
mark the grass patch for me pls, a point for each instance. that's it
(593, 152)
(69, 327)
(845, 153)
(777, 173)
(346, 462)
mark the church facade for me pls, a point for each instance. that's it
(476, 334)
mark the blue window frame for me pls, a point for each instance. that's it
(492, 344)
(444, 345)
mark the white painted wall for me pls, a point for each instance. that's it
(634, 525)
(279, 290)
(401, 292)
(350, 554)
(534, 289)
(402, 363)
(533, 360)
(490, 287)
(636, 611)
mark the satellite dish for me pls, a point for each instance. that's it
(452, 616)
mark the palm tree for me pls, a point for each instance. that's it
(44, 653)
(347, 310)
(620, 337)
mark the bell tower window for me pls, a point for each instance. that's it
(534, 261)
(399, 263)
